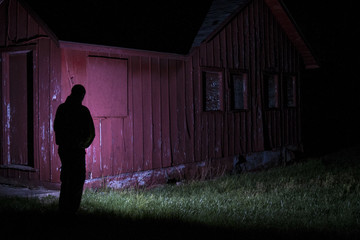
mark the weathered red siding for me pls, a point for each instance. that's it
(254, 42)
(162, 123)
(152, 134)
(25, 34)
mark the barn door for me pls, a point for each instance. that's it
(17, 114)
(107, 99)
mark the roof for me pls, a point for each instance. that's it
(222, 11)
(165, 26)
(219, 11)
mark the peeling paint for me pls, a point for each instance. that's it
(56, 93)
(8, 114)
(42, 130)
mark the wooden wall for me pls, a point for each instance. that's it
(156, 132)
(252, 41)
(19, 31)
(165, 123)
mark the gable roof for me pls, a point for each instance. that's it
(219, 11)
(222, 11)
(293, 32)
(165, 26)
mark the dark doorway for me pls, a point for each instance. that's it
(18, 113)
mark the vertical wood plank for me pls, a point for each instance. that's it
(197, 106)
(235, 43)
(217, 52)
(106, 147)
(205, 137)
(22, 19)
(254, 106)
(55, 99)
(44, 106)
(174, 140)
(189, 107)
(127, 165)
(156, 112)
(211, 134)
(3, 14)
(229, 46)
(210, 53)
(219, 133)
(147, 112)
(32, 28)
(180, 110)
(93, 153)
(12, 31)
(203, 55)
(165, 114)
(241, 41)
(247, 52)
(138, 114)
(117, 146)
(223, 49)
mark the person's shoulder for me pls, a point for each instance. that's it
(61, 107)
(85, 109)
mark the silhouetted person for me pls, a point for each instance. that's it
(74, 132)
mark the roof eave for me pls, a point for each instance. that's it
(294, 34)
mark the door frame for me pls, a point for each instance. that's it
(5, 106)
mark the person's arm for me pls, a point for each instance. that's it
(90, 131)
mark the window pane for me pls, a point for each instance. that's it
(291, 91)
(239, 91)
(271, 90)
(212, 91)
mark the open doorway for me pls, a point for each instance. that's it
(17, 108)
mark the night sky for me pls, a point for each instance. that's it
(331, 97)
(164, 26)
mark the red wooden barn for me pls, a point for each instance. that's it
(232, 100)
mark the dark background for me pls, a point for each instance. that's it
(330, 94)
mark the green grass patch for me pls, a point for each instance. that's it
(316, 197)
(307, 196)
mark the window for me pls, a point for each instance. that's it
(107, 86)
(290, 82)
(271, 93)
(213, 90)
(239, 91)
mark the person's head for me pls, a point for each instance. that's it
(78, 92)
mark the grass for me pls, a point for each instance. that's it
(318, 197)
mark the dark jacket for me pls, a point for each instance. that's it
(73, 125)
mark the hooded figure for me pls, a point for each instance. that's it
(74, 132)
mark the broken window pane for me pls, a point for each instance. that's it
(213, 91)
